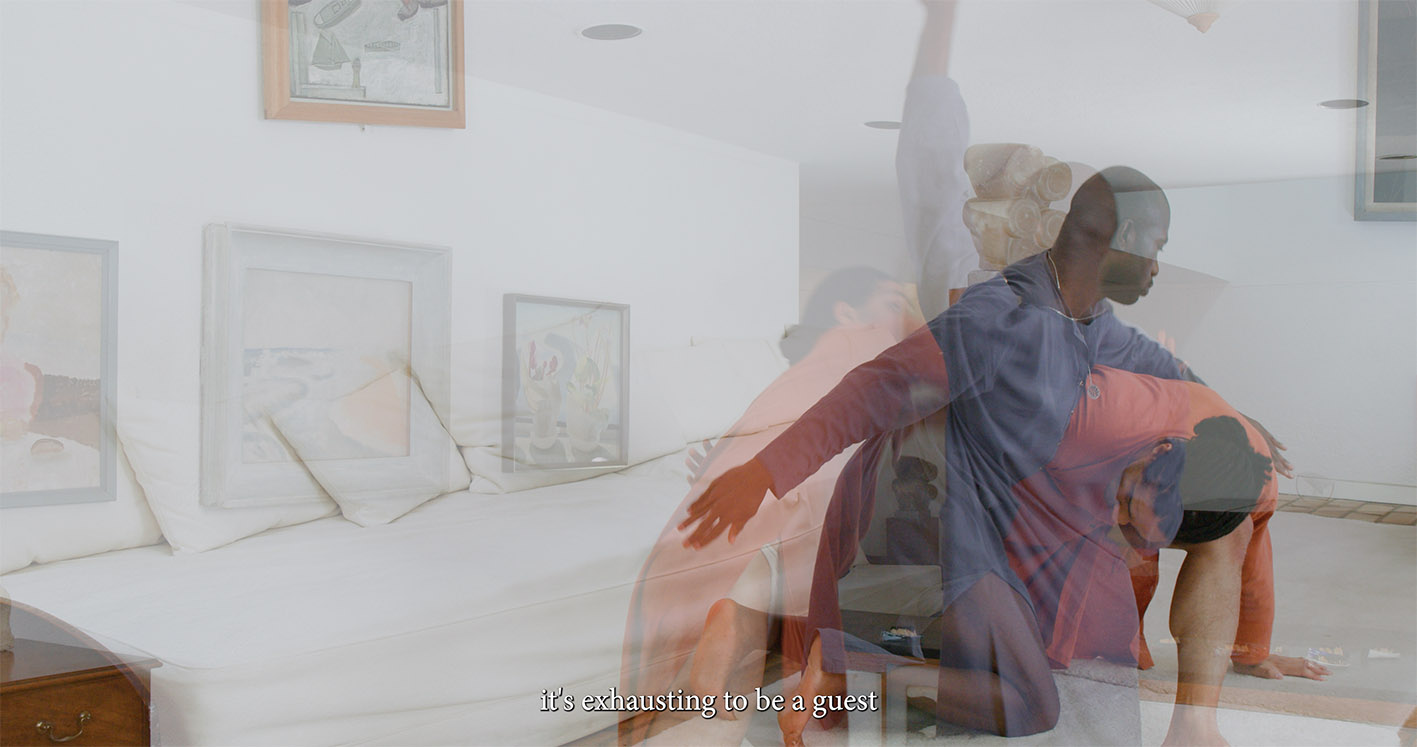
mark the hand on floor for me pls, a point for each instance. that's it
(1277, 667)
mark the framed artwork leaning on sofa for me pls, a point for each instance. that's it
(565, 368)
(58, 353)
(301, 332)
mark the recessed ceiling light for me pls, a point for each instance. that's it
(884, 124)
(611, 32)
(1343, 104)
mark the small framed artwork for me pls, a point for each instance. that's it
(565, 401)
(315, 333)
(383, 62)
(58, 301)
(1386, 175)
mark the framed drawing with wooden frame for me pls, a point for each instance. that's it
(381, 62)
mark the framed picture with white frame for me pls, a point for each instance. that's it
(303, 330)
(565, 369)
(58, 353)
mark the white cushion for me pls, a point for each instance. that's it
(709, 386)
(162, 440)
(43, 534)
(476, 402)
(653, 432)
(370, 497)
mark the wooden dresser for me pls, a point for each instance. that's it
(73, 692)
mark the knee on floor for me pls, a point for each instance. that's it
(1037, 713)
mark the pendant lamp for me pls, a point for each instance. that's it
(1199, 13)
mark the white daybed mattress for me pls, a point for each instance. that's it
(442, 627)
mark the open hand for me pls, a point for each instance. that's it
(1281, 465)
(728, 503)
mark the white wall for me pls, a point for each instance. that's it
(849, 223)
(141, 122)
(1308, 322)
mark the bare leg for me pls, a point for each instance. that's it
(735, 628)
(1205, 612)
(994, 675)
(815, 682)
(731, 633)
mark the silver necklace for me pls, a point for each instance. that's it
(1093, 391)
(1058, 289)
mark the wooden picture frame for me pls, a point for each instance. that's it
(297, 326)
(1385, 183)
(59, 349)
(566, 400)
(422, 84)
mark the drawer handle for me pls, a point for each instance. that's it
(47, 729)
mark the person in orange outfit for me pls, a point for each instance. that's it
(1251, 654)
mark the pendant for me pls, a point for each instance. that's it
(1093, 391)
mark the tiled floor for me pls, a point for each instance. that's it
(1334, 508)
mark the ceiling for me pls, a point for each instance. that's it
(1096, 81)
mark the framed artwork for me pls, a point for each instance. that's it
(565, 400)
(58, 347)
(1386, 173)
(314, 332)
(387, 62)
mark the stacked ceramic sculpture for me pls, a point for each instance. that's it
(1010, 216)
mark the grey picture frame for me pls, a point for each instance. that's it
(101, 402)
(1385, 175)
(231, 418)
(591, 387)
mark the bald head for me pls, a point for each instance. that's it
(1108, 210)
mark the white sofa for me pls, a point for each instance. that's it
(295, 625)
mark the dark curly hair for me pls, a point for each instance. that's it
(1209, 483)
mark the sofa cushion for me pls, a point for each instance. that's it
(163, 443)
(653, 431)
(43, 534)
(379, 497)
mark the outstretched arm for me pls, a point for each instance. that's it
(902, 385)
(932, 56)
(930, 174)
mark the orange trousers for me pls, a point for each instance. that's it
(1252, 638)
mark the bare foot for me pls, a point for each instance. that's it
(815, 682)
(1277, 667)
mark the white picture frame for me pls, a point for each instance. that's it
(566, 403)
(59, 296)
(294, 323)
